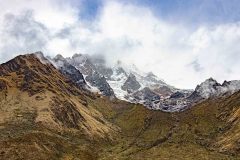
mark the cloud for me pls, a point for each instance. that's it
(21, 34)
(28, 25)
(196, 66)
(181, 55)
(54, 14)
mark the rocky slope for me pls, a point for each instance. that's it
(126, 82)
(69, 71)
(39, 106)
(123, 81)
(46, 115)
(209, 130)
(95, 80)
(211, 88)
(131, 84)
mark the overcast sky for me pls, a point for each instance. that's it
(181, 41)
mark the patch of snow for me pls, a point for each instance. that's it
(116, 82)
(90, 87)
(232, 86)
(211, 87)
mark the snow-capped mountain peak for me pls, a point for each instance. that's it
(59, 57)
(69, 70)
(210, 88)
(131, 84)
(127, 82)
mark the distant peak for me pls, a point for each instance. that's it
(59, 57)
(150, 74)
(211, 79)
(211, 87)
(77, 55)
(225, 83)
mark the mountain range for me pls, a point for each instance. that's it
(127, 82)
(81, 108)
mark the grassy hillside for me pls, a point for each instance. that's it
(44, 116)
(209, 130)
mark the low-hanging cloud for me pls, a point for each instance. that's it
(180, 54)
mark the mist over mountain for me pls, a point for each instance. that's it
(126, 82)
(135, 32)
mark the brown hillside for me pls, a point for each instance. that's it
(38, 102)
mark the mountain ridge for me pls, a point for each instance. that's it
(127, 83)
(45, 115)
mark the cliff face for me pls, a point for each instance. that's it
(78, 67)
